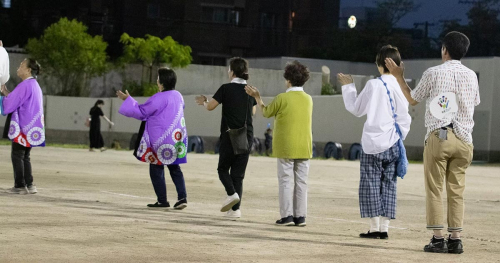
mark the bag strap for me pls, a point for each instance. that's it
(246, 115)
(394, 115)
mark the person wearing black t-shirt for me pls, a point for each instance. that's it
(237, 107)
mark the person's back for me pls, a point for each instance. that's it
(293, 122)
(456, 78)
(236, 107)
(379, 131)
(386, 109)
(452, 92)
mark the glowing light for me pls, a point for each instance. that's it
(352, 22)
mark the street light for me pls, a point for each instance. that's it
(351, 22)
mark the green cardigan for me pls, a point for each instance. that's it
(292, 136)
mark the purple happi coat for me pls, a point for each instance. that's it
(165, 136)
(27, 125)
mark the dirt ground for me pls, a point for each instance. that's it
(91, 207)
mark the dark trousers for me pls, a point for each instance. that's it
(231, 169)
(22, 165)
(157, 174)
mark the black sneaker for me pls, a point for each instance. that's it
(455, 246)
(437, 246)
(159, 205)
(181, 204)
(285, 221)
(384, 235)
(299, 221)
(373, 235)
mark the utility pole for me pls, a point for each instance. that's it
(426, 25)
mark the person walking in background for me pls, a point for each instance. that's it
(451, 91)
(292, 142)
(385, 106)
(237, 112)
(162, 137)
(95, 136)
(27, 128)
(268, 142)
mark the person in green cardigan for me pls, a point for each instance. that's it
(292, 142)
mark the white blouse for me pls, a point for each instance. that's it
(379, 132)
(4, 66)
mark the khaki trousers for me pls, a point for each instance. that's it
(445, 162)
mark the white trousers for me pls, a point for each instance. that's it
(292, 178)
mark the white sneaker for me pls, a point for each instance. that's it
(233, 214)
(32, 189)
(18, 190)
(230, 202)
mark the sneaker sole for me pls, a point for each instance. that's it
(456, 252)
(229, 206)
(287, 224)
(180, 207)
(301, 225)
(436, 251)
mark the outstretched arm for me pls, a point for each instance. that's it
(398, 73)
(209, 105)
(357, 105)
(254, 92)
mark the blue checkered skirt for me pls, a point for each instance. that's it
(377, 186)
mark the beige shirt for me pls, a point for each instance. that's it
(450, 76)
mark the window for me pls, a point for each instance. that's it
(6, 3)
(224, 15)
(153, 11)
(267, 20)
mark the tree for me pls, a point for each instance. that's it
(153, 51)
(395, 10)
(67, 52)
(483, 28)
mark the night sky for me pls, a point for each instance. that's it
(430, 10)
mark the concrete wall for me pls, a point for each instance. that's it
(331, 121)
(65, 118)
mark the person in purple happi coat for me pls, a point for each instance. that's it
(162, 137)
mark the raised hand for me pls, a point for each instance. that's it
(252, 91)
(344, 79)
(396, 71)
(201, 99)
(4, 90)
(121, 95)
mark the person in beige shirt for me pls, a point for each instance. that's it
(452, 93)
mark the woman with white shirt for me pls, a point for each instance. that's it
(384, 104)
(237, 111)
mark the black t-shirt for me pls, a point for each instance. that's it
(236, 105)
(95, 113)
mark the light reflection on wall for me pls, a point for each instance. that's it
(6, 3)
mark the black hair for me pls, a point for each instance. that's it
(388, 51)
(239, 66)
(34, 66)
(296, 73)
(99, 102)
(456, 44)
(167, 78)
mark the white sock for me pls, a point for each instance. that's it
(384, 225)
(374, 224)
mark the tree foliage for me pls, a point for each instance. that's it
(152, 51)
(67, 52)
(483, 28)
(395, 10)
